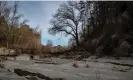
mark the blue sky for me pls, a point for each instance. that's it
(40, 13)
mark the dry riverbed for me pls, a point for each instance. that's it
(63, 69)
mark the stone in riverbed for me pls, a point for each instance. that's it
(124, 49)
(31, 78)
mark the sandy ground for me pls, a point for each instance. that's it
(99, 69)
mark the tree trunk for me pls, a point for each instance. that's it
(77, 40)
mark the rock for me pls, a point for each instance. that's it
(4, 51)
(12, 51)
(33, 75)
(19, 51)
(124, 49)
(91, 45)
(115, 37)
(128, 38)
(126, 15)
(23, 57)
(22, 72)
(99, 50)
(75, 65)
(94, 42)
(31, 78)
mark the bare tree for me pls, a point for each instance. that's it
(12, 21)
(67, 19)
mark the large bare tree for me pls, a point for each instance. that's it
(67, 20)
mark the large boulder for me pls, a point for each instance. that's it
(124, 49)
(7, 52)
(100, 39)
(94, 42)
(129, 38)
(87, 45)
(93, 45)
(104, 44)
(115, 37)
(99, 50)
(10, 52)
